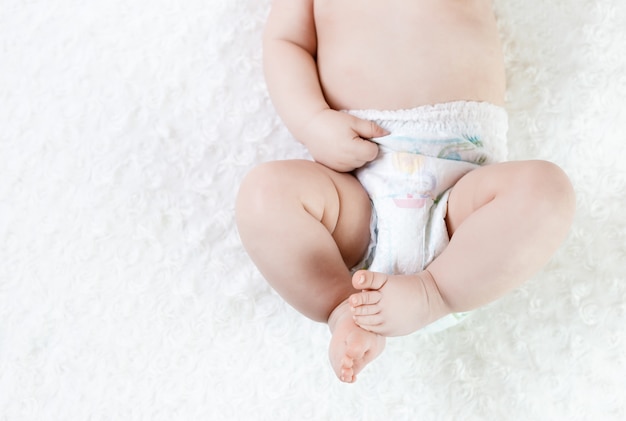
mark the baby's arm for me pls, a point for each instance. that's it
(333, 138)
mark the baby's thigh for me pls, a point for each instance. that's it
(296, 193)
(524, 185)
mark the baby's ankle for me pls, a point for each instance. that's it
(438, 304)
(342, 310)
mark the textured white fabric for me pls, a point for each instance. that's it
(125, 129)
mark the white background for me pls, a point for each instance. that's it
(125, 129)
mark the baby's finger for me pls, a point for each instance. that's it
(368, 129)
(365, 150)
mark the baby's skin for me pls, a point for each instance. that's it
(306, 223)
(407, 54)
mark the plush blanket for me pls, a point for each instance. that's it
(125, 294)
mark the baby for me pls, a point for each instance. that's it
(408, 218)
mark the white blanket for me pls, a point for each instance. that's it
(125, 129)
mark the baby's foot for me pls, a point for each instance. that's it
(394, 305)
(351, 348)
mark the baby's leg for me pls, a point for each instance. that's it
(304, 225)
(505, 222)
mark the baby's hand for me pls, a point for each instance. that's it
(340, 141)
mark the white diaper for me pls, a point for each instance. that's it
(428, 150)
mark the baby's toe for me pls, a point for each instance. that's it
(364, 279)
(347, 370)
(347, 363)
(366, 306)
(347, 375)
(366, 310)
(365, 298)
(369, 322)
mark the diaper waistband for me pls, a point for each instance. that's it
(458, 116)
(483, 120)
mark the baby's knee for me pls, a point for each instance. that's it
(545, 187)
(257, 190)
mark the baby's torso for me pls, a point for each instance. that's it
(396, 54)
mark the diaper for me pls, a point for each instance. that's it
(428, 150)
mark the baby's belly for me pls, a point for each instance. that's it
(395, 57)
